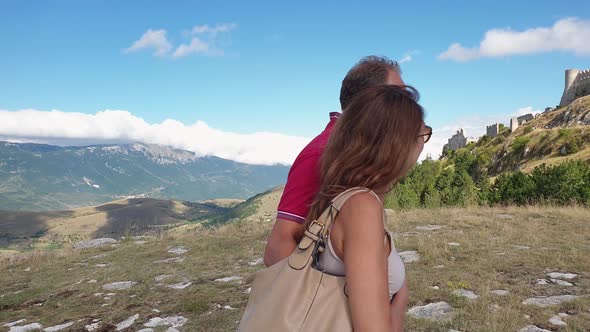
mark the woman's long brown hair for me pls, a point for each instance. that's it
(370, 143)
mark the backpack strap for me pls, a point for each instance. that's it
(317, 231)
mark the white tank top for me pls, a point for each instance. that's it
(330, 263)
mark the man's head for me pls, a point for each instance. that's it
(369, 71)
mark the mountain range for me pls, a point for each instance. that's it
(38, 177)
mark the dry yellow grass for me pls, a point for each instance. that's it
(487, 258)
(583, 154)
(492, 255)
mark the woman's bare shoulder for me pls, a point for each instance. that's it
(362, 208)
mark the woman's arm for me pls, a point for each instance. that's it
(365, 263)
(398, 307)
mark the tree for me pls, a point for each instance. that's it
(565, 183)
(518, 188)
(464, 191)
(464, 160)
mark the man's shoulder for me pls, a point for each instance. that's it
(316, 146)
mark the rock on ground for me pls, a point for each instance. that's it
(546, 301)
(126, 323)
(521, 247)
(500, 292)
(557, 321)
(558, 275)
(16, 322)
(162, 277)
(121, 285)
(173, 321)
(256, 262)
(92, 327)
(432, 311)
(94, 243)
(465, 293)
(228, 279)
(409, 256)
(561, 282)
(25, 328)
(180, 285)
(532, 328)
(429, 227)
(178, 250)
(58, 327)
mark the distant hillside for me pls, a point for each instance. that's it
(551, 138)
(129, 217)
(36, 177)
(259, 208)
(544, 161)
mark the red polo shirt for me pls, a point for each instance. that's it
(303, 181)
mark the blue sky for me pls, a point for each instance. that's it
(276, 66)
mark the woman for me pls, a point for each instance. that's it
(378, 138)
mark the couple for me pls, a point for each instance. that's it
(372, 145)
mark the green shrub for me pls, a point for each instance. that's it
(518, 188)
(572, 145)
(565, 132)
(498, 140)
(519, 144)
(483, 140)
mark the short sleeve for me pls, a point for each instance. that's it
(303, 183)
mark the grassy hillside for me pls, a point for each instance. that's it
(551, 138)
(129, 217)
(203, 274)
(136, 216)
(262, 207)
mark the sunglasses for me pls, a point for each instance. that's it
(427, 135)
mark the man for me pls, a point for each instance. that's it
(303, 181)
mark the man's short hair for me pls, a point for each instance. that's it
(369, 71)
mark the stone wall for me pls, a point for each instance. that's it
(513, 124)
(525, 118)
(493, 130)
(457, 141)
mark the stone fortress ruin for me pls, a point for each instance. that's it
(577, 84)
(458, 141)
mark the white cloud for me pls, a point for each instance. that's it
(525, 110)
(152, 39)
(566, 35)
(459, 53)
(408, 56)
(196, 46)
(474, 126)
(205, 44)
(223, 27)
(114, 126)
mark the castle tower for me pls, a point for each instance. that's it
(570, 77)
(569, 89)
(513, 124)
